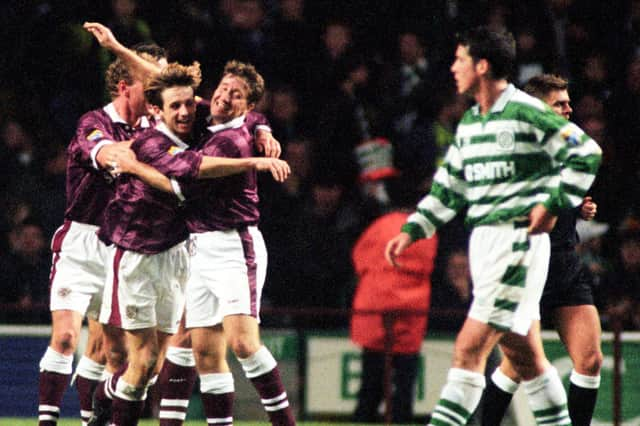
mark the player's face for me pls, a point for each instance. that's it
(137, 101)
(464, 71)
(179, 109)
(560, 102)
(229, 101)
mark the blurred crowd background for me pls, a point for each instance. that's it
(362, 101)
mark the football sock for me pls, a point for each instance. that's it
(175, 385)
(262, 369)
(497, 397)
(458, 399)
(547, 398)
(583, 393)
(88, 374)
(55, 372)
(217, 392)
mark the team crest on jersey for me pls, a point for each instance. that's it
(64, 292)
(506, 141)
(131, 311)
(175, 150)
(571, 136)
(95, 135)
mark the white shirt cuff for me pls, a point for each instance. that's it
(94, 152)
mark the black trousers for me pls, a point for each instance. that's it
(371, 394)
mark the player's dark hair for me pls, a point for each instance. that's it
(497, 47)
(541, 85)
(173, 75)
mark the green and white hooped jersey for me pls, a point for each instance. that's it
(503, 163)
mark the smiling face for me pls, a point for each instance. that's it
(560, 102)
(179, 109)
(229, 100)
(464, 71)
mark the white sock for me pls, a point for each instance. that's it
(504, 382)
(216, 383)
(547, 398)
(583, 381)
(55, 362)
(89, 369)
(459, 397)
(181, 356)
(259, 363)
(128, 392)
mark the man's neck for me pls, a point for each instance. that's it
(125, 112)
(488, 92)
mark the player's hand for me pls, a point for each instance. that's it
(540, 220)
(395, 247)
(103, 34)
(588, 209)
(279, 169)
(124, 162)
(267, 144)
(108, 153)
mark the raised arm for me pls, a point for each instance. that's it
(139, 67)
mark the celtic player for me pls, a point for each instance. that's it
(514, 166)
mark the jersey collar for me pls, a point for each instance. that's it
(231, 124)
(110, 109)
(161, 127)
(501, 102)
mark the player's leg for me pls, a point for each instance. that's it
(465, 381)
(497, 395)
(56, 364)
(259, 366)
(90, 368)
(176, 379)
(579, 329)
(541, 382)
(143, 351)
(216, 381)
(116, 356)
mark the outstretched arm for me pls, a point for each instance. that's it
(211, 167)
(139, 67)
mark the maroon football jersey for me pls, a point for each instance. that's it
(88, 189)
(224, 203)
(141, 218)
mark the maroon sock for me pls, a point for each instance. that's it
(126, 413)
(274, 398)
(103, 395)
(86, 388)
(175, 385)
(50, 391)
(218, 408)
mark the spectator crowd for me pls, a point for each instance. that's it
(360, 96)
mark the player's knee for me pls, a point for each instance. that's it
(589, 363)
(65, 340)
(243, 348)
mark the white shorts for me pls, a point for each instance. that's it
(228, 271)
(144, 291)
(77, 269)
(508, 270)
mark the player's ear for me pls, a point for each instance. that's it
(123, 87)
(251, 106)
(483, 66)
